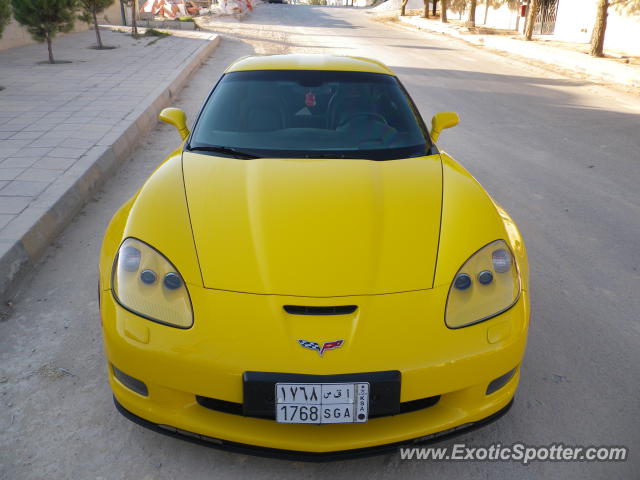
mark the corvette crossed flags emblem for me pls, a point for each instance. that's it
(321, 348)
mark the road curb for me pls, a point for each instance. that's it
(36, 227)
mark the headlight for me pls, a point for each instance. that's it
(486, 285)
(147, 284)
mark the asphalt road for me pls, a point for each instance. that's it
(560, 154)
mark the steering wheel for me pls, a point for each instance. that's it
(375, 116)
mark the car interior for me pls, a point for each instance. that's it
(326, 115)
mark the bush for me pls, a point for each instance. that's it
(152, 32)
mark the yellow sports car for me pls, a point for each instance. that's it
(308, 275)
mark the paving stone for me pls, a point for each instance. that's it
(47, 142)
(10, 127)
(4, 219)
(7, 152)
(18, 162)
(15, 143)
(65, 152)
(79, 143)
(26, 135)
(39, 174)
(13, 204)
(32, 152)
(23, 189)
(54, 163)
(10, 173)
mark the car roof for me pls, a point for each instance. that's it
(309, 62)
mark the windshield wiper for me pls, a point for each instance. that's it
(232, 152)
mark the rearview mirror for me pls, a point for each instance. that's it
(442, 120)
(177, 118)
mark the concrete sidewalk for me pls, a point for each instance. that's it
(65, 127)
(598, 69)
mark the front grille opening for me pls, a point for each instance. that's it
(420, 404)
(309, 310)
(220, 405)
(500, 382)
(131, 383)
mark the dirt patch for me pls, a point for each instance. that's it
(50, 370)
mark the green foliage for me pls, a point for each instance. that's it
(185, 19)
(44, 18)
(5, 15)
(89, 7)
(152, 32)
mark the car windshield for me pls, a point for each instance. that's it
(310, 114)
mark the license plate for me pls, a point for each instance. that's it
(322, 402)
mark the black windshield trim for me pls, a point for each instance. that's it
(374, 155)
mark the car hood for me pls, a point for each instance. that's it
(317, 228)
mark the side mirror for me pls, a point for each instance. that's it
(442, 120)
(177, 118)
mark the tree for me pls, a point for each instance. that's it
(443, 11)
(403, 8)
(5, 15)
(134, 24)
(434, 5)
(599, 29)
(471, 19)
(425, 12)
(629, 7)
(90, 10)
(134, 20)
(532, 14)
(43, 19)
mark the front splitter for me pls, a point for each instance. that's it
(302, 455)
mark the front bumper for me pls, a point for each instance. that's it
(209, 360)
(297, 455)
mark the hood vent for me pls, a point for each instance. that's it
(304, 310)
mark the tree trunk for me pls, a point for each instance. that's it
(49, 47)
(134, 24)
(403, 8)
(443, 11)
(471, 20)
(434, 6)
(532, 14)
(599, 29)
(425, 12)
(95, 26)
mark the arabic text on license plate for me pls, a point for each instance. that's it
(322, 402)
